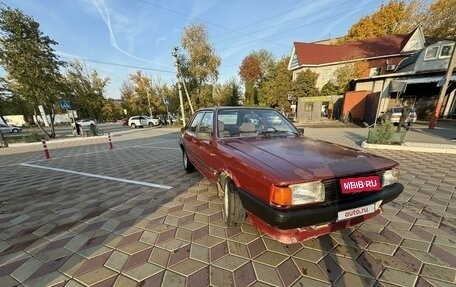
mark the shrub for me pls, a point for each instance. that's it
(381, 134)
(33, 136)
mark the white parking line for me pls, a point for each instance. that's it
(99, 176)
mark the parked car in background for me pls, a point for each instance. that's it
(151, 121)
(290, 186)
(394, 114)
(123, 122)
(143, 121)
(86, 122)
(9, 129)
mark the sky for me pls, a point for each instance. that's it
(119, 37)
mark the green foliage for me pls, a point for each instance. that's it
(31, 66)
(266, 62)
(330, 89)
(274, 91)
(227, 94)
(85, 91)
(381, 134)
(305, 84)
(344, 74)
(32, 136)
(112, 111)
(141, 97)
(199, 66)
(250, 95)
(203, 63)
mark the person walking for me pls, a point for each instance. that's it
(403, 118)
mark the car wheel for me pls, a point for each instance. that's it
(151, 125)
(188, 166)
(133, 126)
(15, 131)
(233, 211)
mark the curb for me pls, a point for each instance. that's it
(418, 147)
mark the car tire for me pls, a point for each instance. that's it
(133, 126)
(15, 131)
(188, 166)
(151, 125)
(233, 212)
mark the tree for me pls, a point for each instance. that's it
(439, 19)
(305, 84)
(31, 66)
(344, 74)
(112, 111)
(85, 91)
(330, 89)
(227, 94)
(400, 17)
(250, 73)
(140, 97)
(267, 64)
(275, 91)
(199, 67)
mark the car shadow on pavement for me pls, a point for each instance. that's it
(356, 138)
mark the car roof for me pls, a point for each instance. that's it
(234, 107)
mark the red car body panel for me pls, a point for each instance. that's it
(256, 163)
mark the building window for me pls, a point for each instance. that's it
(446, 51)
(375, 71)
(308, 107)
(431, 53)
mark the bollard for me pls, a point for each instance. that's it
(46, 152)
(109, 140)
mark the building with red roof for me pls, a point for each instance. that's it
(381, 54)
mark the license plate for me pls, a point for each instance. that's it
(350, 213)
(360, 184)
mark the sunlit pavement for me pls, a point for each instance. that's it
(131, 216)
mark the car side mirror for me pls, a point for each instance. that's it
(205, 136)
(182, 130)
(301, 130)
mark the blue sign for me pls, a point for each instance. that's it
(65, 105)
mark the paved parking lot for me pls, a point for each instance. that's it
(131, 216)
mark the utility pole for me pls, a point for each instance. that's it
(443, 90)
(179, 87)
(148, 101)
(186, 93)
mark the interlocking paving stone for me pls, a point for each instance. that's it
(416, 244)
(267, 274)
(288, 272)
(439, 273)
(60, 230)
(350, 279)
(398, 277)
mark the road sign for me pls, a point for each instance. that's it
(65, 105)
(166, 101)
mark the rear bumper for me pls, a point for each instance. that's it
(312, 215)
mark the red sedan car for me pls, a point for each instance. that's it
(290, 186)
